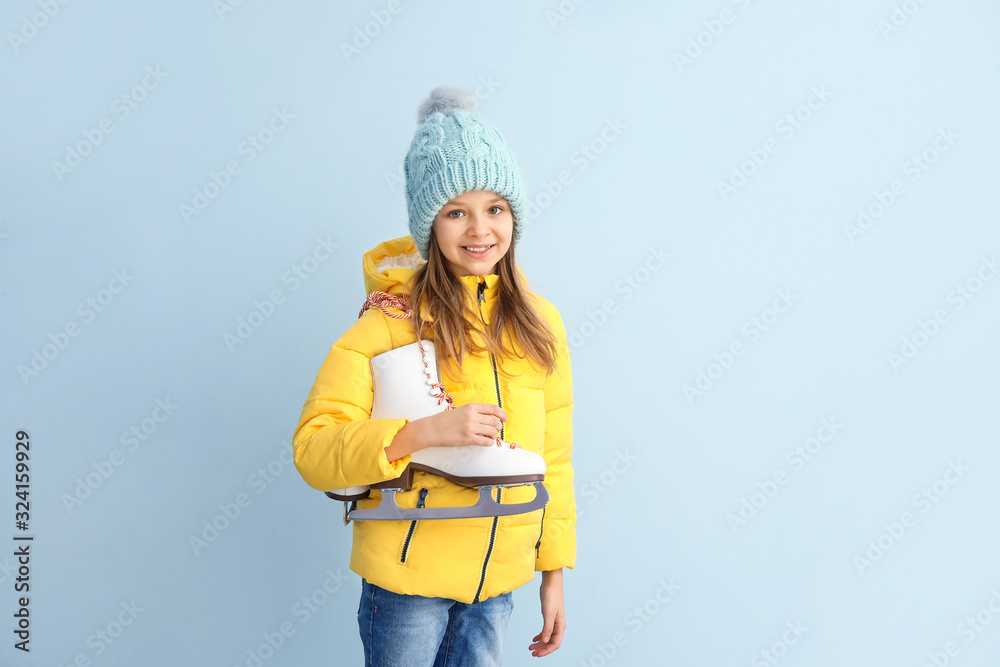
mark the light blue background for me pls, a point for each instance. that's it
(333, 172)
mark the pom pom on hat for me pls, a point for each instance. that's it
(445, 99)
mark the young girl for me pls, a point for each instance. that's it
(438, 592)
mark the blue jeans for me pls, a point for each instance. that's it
(415, 631)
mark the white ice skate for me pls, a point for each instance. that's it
(407, 385)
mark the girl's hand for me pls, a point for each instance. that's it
(469, 424)
(553, 615)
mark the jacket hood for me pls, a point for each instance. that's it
(390, 264)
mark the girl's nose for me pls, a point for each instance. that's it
(477, 224)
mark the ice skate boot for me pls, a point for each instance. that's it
(407, 385)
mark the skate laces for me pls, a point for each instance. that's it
(382, 300)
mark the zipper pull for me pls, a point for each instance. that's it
(482, 289)
(538, 544)
(422, 498)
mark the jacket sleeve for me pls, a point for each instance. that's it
(336, 444)
(557, 545)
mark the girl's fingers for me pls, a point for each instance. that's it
(490, 428)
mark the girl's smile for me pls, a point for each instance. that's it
(474, 231)
(478, 252)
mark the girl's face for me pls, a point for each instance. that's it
(478, 220)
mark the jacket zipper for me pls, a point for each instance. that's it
(413, 527)
(493, 359)
(489, 552)
(541, 529)
(496, 383)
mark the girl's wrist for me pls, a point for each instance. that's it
(406, 441)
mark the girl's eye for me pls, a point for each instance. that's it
(498, 207)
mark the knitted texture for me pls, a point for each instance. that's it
(451, 154)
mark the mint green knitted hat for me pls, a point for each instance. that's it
(456, 151)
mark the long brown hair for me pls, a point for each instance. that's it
(515, 328)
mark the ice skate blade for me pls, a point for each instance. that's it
(486, 506)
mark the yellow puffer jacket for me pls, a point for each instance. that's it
(338, 445)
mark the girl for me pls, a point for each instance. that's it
(438, 592)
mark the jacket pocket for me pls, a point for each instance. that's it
(405, 551)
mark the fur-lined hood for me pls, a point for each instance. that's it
(389, 265)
